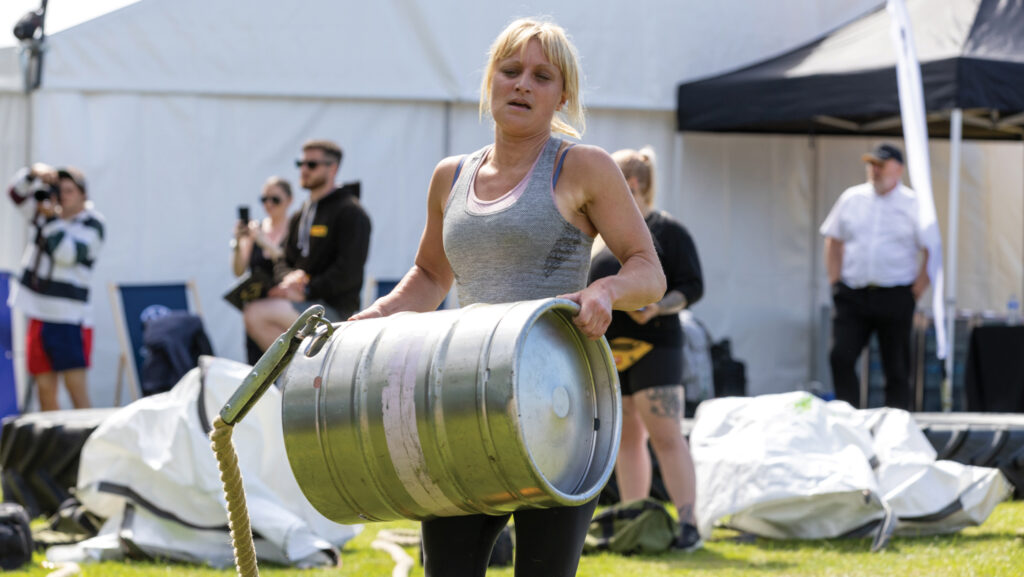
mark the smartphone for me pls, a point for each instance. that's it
(243, 213)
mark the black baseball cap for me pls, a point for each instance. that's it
(883, 152)
(74, 175)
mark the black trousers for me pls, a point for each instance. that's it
(885, 311)
(548, 542)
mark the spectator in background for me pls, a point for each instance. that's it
(648, 345)
(324, 254)
(53, 291)
(257, 245)
(873, 251)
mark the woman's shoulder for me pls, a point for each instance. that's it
(442, 182)
(447, 167)
(585, 162)
(666, 228)
(665, 218)
(583, 152)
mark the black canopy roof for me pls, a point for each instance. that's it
(971, 54)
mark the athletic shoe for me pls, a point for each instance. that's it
(688, 539)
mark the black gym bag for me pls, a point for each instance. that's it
(15, 536)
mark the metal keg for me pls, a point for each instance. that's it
(484, 409)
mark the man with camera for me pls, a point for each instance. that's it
(53, 290)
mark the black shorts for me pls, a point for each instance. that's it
(661, 367)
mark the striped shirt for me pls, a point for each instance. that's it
(58, 263)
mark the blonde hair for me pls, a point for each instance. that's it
(279, 182)
(638, 164)
(559, 51)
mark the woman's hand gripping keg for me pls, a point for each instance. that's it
(595, 310)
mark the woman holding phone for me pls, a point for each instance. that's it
(257, 244)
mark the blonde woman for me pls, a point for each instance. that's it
(653, 400)
(515, 221)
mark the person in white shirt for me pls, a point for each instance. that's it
(876, 262)
(53, 290)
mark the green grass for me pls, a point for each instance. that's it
(994, 549)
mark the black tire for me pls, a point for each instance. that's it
(39, 455)
(982, 439)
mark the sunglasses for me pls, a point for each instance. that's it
(275, 200)
(311, 164)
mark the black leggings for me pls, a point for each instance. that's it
(548, 542)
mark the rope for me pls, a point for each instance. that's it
(403, 562)
(62, 569)
(234, 492)
(403, 537)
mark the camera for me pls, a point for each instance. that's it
(45, 192)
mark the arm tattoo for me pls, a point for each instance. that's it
(672, 303)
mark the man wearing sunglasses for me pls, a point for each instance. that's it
(324, 252)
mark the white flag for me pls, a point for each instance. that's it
(915, 136)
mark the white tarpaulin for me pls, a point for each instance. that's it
(792, 466)
(149, 470)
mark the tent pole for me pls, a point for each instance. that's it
(815, 264)
(28, 129)
(955, 140)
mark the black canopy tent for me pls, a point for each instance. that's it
(971, 54)
(972, 59)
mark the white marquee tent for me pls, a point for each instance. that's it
(178, 111)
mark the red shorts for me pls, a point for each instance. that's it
(57, 347)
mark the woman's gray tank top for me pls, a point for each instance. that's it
(522, 252)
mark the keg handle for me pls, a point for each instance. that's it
(274, 360)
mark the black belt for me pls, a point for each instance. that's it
(875, 287)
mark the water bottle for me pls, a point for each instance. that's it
(1013, 310)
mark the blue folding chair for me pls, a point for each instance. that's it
(8, 386)
(384, 286)
(133, 305)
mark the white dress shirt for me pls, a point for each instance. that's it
(880, 235)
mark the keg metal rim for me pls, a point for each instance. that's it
(606, 363)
